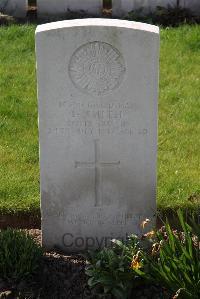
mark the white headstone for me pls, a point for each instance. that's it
(15, 8)
(193, 5)
(97, 89)
(123, 7)
(51, 8)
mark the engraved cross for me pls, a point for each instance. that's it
(97, 165)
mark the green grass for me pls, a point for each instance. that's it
(179, 119)
(19, 170)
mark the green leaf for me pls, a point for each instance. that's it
(91, 282)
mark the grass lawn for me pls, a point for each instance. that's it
(179, 119)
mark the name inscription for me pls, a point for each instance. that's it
(96, 120)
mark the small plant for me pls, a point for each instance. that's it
(175, 260)
(112, 270)
(168, 258)
(20, 255)
(164, 16)
(172, 16)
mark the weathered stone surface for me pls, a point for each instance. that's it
(15, 8)
(97, 90)
(52, 8)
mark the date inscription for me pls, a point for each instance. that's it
(96, 120)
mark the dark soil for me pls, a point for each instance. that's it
(63, 276)
(6, 20)
(21, 220)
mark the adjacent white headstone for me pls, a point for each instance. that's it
(123, 7)
(15, 8)
(97, 90)
(52, 8)
(193, 5)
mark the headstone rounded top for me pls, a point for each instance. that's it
(96, 22)
(97, 68)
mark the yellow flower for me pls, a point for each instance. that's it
(136, 264)
(144, 223)
(155, 248)
(150, 234)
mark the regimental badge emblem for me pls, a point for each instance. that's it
(97, 68)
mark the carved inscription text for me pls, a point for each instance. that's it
(96, 120)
